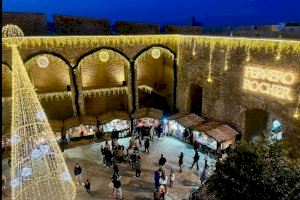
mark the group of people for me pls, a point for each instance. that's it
(115, 152)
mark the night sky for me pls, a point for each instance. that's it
(209, 12)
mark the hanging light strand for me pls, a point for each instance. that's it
(212, 47)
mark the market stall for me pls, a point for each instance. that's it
(57, 128)
(117, 122)
(80, 128)
(145, 118)
(214, 135)
(179, 125)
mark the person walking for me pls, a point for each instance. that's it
(162, 161)
(133, 159)
(163, 181)
(116, 170)
(156, 179)
(206, 161)
(147, 145)
(108, 156)
(87, 186)
(203, 174)
(172, 178)
(151, 133)
(103, 155)
(180, 162)
(117, 187)
(196, 159)
(77, 172)
(138, 167)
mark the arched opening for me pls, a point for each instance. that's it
(196, 99)
(155, 79)
(106, 82)
(276, 130)
(256, 121)
(50, 76)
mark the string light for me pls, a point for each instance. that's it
(226, 58)
(194, 46)
(278, 56)
(33, 175)
(212, 47)
(248, 55)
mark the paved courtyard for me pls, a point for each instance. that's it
(89, 157)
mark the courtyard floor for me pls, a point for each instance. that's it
(89, 157)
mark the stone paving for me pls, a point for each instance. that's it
(90, 159)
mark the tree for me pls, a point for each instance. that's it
(257, 170)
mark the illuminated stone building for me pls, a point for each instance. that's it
(90, 75)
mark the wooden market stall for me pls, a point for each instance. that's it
(117, 122)
(180, 123)
(214, 135)
(78, 128)
(145, 118)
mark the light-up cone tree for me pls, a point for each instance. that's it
(38, 169)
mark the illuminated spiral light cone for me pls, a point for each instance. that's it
(38, 169)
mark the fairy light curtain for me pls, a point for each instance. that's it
(38, 169)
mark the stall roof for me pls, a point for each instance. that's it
(109, 116)
(72, 122)
(56, 125)
(187, 119)
(205, 126)
(216, 130)
(148, 112)
(89, 120)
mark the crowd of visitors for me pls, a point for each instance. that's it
(113, 153)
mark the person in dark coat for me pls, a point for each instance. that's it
(147, 145)
(77, 172)
(87, 186)
(156, 179)
(180, 162)
(138, 167)
(103, 154)
(108, 157)
(196, 159)
(162, 160)
(116, 170)
(133, 159)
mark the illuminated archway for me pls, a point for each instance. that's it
(51, 77)
(104, 78)
(155, 78)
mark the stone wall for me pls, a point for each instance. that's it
(69, 25)
(189, 30)
(30, 23)
(131, 28)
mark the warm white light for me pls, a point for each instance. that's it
(42, 61)
(209, 79)
(296, 114)
(155, 53)
(104, 56)
(194, 53)
(277, 57)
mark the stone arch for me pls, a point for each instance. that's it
(241, 117)
(163, 82)
(54, 83)
(104, 75)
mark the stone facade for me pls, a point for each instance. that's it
(131, 28)
(189, 30)
(68, 25)
(224, 99)
(30, 23)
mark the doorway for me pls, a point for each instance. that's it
(256, 121)
(196, 99)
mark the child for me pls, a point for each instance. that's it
(172, 178)
(87, 186)
(162, 192)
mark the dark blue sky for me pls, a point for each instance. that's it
(209, 12)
